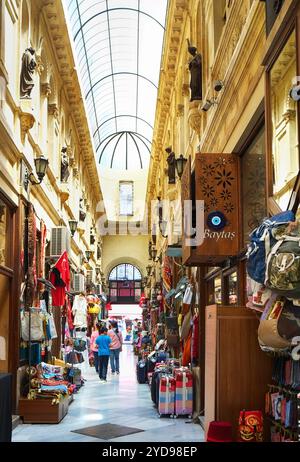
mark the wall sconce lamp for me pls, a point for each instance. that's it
(98, 270)
(208, 104)
(73, 226)
(148, 269)
(180, 165)
(153, 253)
(41, 165)
(218, 85)
(88, 254)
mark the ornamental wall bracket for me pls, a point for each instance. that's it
(53, 110)
(64, 192)
(194, 117)
(46, 89)
(27, 121)
(180, 110)
(185, 89)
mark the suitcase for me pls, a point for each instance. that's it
(183, 392)
(141, 371)
(151, 363)
(158, 372)
(166, 396)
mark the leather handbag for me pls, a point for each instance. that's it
(172, 340)
(186, 325)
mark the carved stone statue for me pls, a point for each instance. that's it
(27, 72)
(195, 67)
(82, 213)
(171, 166)
(64, 171)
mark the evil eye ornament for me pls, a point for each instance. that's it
(216, 221)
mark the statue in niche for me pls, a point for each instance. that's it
(171, 166)
(195, 68)
(82, 213)
(64, 171)
(27, 72)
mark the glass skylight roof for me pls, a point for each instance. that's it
(118, 45)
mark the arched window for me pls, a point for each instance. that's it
(125, 284)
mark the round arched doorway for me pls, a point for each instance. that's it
(125, 284)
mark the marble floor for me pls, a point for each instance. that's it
(120, 401)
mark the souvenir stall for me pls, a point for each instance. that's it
(273, 293)
(172, 367)
(46, 327)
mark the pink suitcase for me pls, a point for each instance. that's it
(183, 392)
(166, 400)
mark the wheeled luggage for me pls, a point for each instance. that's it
(166, 396)
(183, 392)
(158, 372)
(141, 371)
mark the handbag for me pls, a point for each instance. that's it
(186, 325)
(53, 332)
(37, 328)
(250, 426)
(172, 339)
(79, 344)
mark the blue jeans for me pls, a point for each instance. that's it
(103, 364)
(114, 360)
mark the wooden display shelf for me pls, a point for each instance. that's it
(42, 410)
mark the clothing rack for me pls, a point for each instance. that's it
(283, 389)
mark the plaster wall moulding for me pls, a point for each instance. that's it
(53, 110)
(46, 89)
(27, 119)
(194, 117)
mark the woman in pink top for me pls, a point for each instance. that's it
(94, 346)
(115, 347)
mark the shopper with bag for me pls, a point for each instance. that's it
(115, 347)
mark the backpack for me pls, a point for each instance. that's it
(262, 240)
(279, 324)
(283, 266)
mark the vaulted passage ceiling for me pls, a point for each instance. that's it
(118, 45)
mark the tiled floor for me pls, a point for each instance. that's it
(121, 401)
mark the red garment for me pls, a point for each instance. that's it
(59, 293)
(63, 267)
(186, 356)
(70, 315)
(195, 337)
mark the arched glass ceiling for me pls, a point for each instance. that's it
(118, 45)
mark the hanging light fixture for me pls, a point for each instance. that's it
(180, 164)
(153, 253)
(73, 226)
(88, 254)
(148, 269)
(41, 165)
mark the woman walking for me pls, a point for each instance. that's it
(115, 347)
(94, 346)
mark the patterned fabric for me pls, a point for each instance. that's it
(166, 400)
(184, 391)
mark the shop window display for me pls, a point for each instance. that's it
(233, 289)
(285, 155)
(218, 291)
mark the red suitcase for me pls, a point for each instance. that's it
(166, 399)
(183, 392)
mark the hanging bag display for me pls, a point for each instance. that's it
(279, 324)
(37, 328)
(53, 332)
(250, 426)
(262, 240)
(283, 266)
